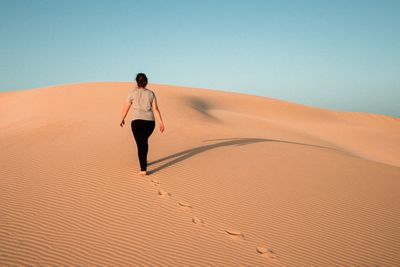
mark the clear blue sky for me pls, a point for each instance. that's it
(342, 55)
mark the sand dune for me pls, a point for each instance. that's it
(235, 180)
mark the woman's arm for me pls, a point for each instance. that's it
(157, 113)
(124, 112)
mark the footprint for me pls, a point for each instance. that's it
(267, 253)
(234, 234)
(198, 221)
(155, 182)
(185, 205)
(163, 193)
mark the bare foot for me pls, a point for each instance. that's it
(142, 173)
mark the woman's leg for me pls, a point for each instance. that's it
(147, 131)
(139, 133)
(142, 130)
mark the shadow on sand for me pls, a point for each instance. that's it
(180, 156)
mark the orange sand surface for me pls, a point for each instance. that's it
(235, 180)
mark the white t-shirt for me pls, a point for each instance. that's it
(141, 99)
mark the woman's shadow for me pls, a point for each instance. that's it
(180, 156)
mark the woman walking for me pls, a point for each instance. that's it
(145, 110)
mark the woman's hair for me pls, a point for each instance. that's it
(141, 80)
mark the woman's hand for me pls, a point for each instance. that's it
(122, 123)
(162, 127)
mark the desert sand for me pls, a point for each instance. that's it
(235, 180)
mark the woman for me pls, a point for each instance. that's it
(144, 108)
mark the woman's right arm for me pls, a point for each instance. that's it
(157, 113)
(124, 112)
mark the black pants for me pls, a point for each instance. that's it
(142, 130)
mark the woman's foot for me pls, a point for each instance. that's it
(142, 173)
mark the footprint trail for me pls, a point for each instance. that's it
(233, 234)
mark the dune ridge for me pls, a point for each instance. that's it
(236, 180)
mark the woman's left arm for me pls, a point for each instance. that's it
(124, 112)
